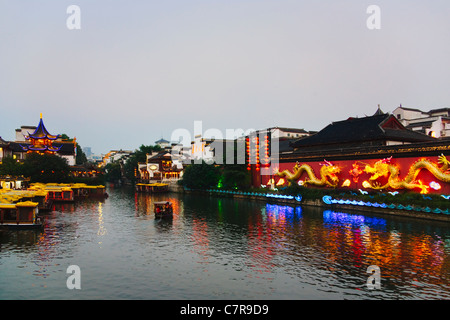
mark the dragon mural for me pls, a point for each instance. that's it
(383, 174)
(385, 168)
(328, 175)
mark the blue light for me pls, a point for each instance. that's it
(326, 199)
(282, 212)
(341, 218)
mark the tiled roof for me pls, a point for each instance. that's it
(362, 131)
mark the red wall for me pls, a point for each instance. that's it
(346, 165)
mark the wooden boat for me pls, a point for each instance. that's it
(21, 215)
(163, 209)
(152, 187)
(66, 192)
(81, 190)
(57, 193)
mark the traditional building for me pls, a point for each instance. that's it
(435, 123)
(370, 153)
(3, 148)
(162, 143)
(159, 166)
(116, 155)
(40, 141)
(379, 130)
(210, 150)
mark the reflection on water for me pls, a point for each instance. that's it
(220, 248)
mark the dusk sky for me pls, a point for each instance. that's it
(138, 70)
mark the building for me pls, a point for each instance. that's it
(40, 141)
(435, 123)
(116, 155)
(30, 139)
(373, 153)
(3, 148)
(288, 133)
(88, 152)
(159, 166)
(162, 143)
(378, 130)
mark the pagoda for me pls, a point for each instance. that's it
(41, 140)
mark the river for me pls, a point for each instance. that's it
(219, 248)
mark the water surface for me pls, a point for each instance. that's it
(222, 249)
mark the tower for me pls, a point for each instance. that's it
(41, 140)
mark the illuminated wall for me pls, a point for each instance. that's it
(416, 174)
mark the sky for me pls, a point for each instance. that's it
(138, 70)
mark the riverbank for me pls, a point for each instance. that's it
(349, 204)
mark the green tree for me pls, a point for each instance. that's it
(139, 155)
(46, 168)
(81, 156)
(113, 172)
(201, 176)
(235, 176)
(10, 166)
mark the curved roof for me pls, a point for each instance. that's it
(162, 141)
(379, 127)
(41, 133)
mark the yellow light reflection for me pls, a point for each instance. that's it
(101, 228)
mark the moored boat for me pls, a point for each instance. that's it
(152, 187)
(21, 215)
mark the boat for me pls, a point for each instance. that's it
(152, 187)
(163, 209)
(66, 192)
(82, 190)
(20, 215)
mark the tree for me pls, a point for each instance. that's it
(201, 176)
(10, 166)
(113, 172)
(46, 168)
(235, 176)
(139, 155)
(81, 156)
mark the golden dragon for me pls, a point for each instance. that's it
(328, 175)
(386, 169)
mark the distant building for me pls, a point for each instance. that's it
(88, 152)
(435, 123)
(288, 133)
(201, 149)
(285, 137)
(116, 155)
(162, 143)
